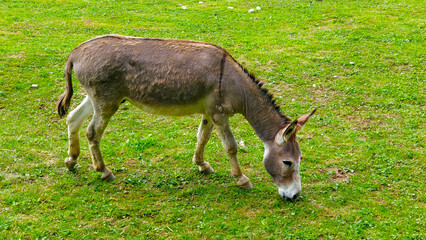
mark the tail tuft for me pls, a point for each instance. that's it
(65, 100)
(63, 104)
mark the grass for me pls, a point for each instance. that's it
(361, 63)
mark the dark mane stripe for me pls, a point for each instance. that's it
(222, 66)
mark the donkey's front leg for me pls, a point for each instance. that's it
(230, 146)
(74, 121)
(203, 136)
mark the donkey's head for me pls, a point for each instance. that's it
(282, 159)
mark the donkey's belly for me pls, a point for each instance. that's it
(172, 109)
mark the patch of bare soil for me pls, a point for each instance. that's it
(341, 174)
(19, 55)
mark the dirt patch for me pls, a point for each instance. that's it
(363, 124)
(89, 22)
(19, 55)
(341, 174)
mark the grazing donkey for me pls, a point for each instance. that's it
(179, 77)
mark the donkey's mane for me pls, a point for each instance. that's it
(269, 97)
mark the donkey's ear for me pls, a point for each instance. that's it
(284, 134)
(303, 119)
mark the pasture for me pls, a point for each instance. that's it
(360, 63)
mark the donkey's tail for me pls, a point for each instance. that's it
(64, 102)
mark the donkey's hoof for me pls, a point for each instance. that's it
(205, 168)
(244, 182)
(108, 176)
(70, 163)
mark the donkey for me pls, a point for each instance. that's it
(179, 77)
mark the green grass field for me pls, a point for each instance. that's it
(360, 63)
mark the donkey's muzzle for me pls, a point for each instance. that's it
(291, 199)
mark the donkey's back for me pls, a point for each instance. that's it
(173, 77)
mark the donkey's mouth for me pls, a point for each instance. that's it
(292, 199)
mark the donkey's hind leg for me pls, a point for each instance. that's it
(230, 145)
(74, 121)
(203, 136)
(94, 133)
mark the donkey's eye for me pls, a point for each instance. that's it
(287, 163)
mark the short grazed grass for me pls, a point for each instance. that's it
(361, 63)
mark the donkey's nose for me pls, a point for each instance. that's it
(291, 199)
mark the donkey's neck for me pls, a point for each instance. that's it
(262, 113)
